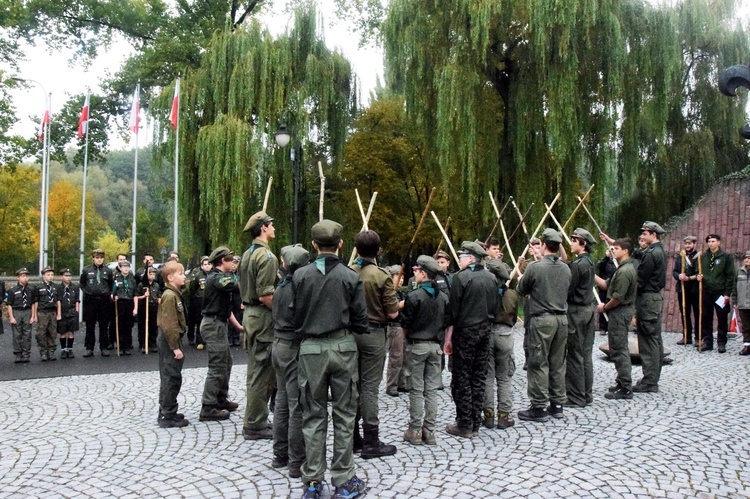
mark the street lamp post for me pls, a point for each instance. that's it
(283, 138)
(43, 211)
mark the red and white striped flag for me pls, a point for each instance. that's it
(135, 111)
(42, 125)
(83, 120)
(174, 114)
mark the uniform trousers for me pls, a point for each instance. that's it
(22, 331)
(215, 334)
(722, 319)
(328, 363)
(619, 351)
(96, 310)
(501, 364)
(548, 335)
(470, 351)
(423, 359)
(397, 373)
(691, 315)
(258, 325)
(287, 416)
(153, 310)
(648, 307)
(371, 362)
(124, 323)
(170, 374)
(579, 364)
(46, 331)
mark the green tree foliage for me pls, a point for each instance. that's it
(112, 245)
(248, 83)
(19, 216)
(533, 98)
(12, 147)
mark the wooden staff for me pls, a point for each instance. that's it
(570, 244)
(445, 236)
(366, 219)
(322, 191)
(117, 329)
(442, 240)
(419, 227)
(598, 228)
(499, 214)
(580, 203)
(700, 303)
(507, 243)
(517, 227)
(523, 224)
(538, 228)
(268, 193)
(147, 307)
(682, 285)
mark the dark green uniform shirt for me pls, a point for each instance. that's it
(68, 297)
(380, 297)
(258, 273)
(197, 286)
(581, 290)
(21, 297)
(171, 317)
(124, 287)
(472, 296)
(282, 313)
(506, 307)
(718, 272)
(652, 271)
(96, 280)
(217, 301)
(328, 297)
(546, 281)
(47, 297)
(426, 313)
(623, 285)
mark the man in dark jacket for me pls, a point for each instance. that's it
(717, 274)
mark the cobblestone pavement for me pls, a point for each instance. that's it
(96, 436)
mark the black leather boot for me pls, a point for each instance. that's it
(373, 447)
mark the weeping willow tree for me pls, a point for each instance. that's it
(247, 84)
(537, 97)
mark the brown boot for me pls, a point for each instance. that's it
(745, 350)
(414, 437)
(489, 418)
(454, 429)
(428, 437)
(504, 420)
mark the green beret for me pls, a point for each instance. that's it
(550, 236)
(219, 254)
(327, 233)
(498, 268)
(257, 219)
(473, 248)
(653, 227)
(294, 257)
(584, 234)
(431, 267)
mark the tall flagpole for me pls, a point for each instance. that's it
(176, 163)
(46, 185)
(135, 171)
(83, 198)
(45, 132)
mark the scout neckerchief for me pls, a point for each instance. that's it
(428, 286)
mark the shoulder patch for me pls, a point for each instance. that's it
(269, 254)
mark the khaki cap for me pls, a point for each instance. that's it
(442, 254)
(550, 236)
(257, 219)
(431, 267)
(219, 254)
(327, 233)
(690, 239)
(97, 252)
(653, 227)
(584, 234)
(473, 248)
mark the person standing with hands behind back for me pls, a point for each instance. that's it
(717, 268)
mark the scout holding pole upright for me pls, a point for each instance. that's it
(268, 193)
(445, 236)
(322, 191)
(683, 256)
(365, 219)
(419, 227)
(147, 307)
(580, 203)
(700, 304)
(494, 227)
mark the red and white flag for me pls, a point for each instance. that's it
(135, 111)
(174, 115)
(83, 120)
(43, 124)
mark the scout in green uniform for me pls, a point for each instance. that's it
(329, 305)
(382, 306)
(148, 295)
(217, 303)
(619, 307)
(546, 282)
(288, 443)
(96, 284)
(20, 314)
(424, 318)
(397, 371)
(258, 275)
(472, 304)
(171, 323)
(718, 281)
(123, 294)
(196, 290)
(501, 362)
(579, 365)
(685, 273)
(67, 313)
(46, 315)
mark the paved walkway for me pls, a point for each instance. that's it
(96, 436)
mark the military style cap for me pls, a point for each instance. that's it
(473, 248)
(498, 268)
(237, 258)
(259, 218)
(584, 234)
(47, 269)
(22, 270)
(327, 233)
(535, 240)
(747, 254)
(204, 258)
(124, 263)
(442, 254)
(653, 227)
(294, 257)
(393, 269)
(219, 253)
(690, 239)
(550, 236)
(152, 269)
(429, 265)
(66, 271)
(97, 252)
